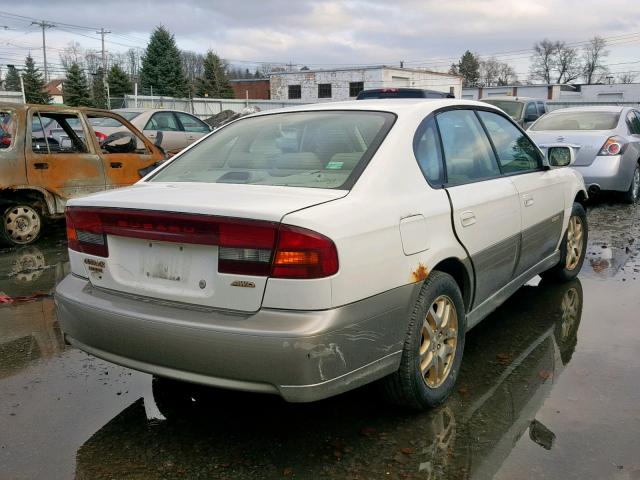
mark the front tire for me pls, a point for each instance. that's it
(21, 225)
(433, 346)
(631, 195)
(573, 248)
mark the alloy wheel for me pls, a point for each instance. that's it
(439, 339)
(575, 234)
(22, 224)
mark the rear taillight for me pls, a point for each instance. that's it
(302, 253)
(613, 146)
(101, 136)
(246, 247)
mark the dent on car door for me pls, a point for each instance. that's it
(163, 129)
(58, 156)
(485, 205)
(125, 154)
(541, 192)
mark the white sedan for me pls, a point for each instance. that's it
(307, 251)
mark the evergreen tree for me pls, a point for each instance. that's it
(12, 80)
(98, 89)
(75, 89)
(214, 83)
(162, 67)
(119, 82)
(469, 68)
(34, 87)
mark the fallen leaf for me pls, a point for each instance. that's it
(287, 472)
(407, 450)
(545, 374)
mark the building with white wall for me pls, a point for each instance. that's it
(617, 92)
(346, 83)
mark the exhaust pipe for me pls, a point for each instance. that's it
(594, 189)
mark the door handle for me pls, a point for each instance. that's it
(467, 218)
(528, 200)
(152, 135)
(41, 166)
(116, 164)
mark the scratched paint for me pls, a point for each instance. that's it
(420, 273)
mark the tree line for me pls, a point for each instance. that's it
(552, 61)
(163, 70)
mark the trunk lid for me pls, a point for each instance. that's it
(158, 249)
(590, 142)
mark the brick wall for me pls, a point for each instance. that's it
(258, 89)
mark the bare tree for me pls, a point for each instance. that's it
(543, 60)
(489, 71)
(506, 74)
(72, 53)
(627, 77)
(593, 56)
(567, 63)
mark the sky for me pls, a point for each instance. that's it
(427, 34)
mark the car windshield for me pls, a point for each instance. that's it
(391, 93)
(510, 107)
(577, 121)
(320, 149)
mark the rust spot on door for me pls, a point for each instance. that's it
(420, 273)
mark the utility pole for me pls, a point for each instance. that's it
(44, 25)
(102, 33)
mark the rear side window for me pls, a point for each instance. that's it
(560, 120)
(531, 110)
(57, 133)
(541, 108)
(633, 122)
(192, 124)
(163, 121)
(467, 151)
(515, 151)
(7, 129)
(426, 146)
(322, 149)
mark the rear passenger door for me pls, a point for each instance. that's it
(485, 205)
(193, 127)
(540, 191)
(164, 130)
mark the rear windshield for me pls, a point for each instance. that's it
(128, 115)
(511, 108)
(303, 149)
(577, 121)
(7, 129)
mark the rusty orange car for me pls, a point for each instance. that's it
(49, 154)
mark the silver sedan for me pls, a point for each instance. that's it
(172, 130)
(608, 142)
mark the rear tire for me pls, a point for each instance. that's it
(21, 225)
(573, 248)
(433, 346)
(631, 195)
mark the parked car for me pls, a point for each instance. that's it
(524, 111)
(608, 139)
(308, 251)
(400, 92)
(45, 159)
(172, 130)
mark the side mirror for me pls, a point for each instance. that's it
(560, 155)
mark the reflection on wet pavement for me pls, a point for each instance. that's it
(546, 391)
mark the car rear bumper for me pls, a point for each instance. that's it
(300, 355)
(607, 173)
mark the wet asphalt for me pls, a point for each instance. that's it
(549, 388)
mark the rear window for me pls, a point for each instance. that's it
(7, 129)
(391, 93)
(128, 115)
(577, 121)
(510, 107)
(324, 149)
